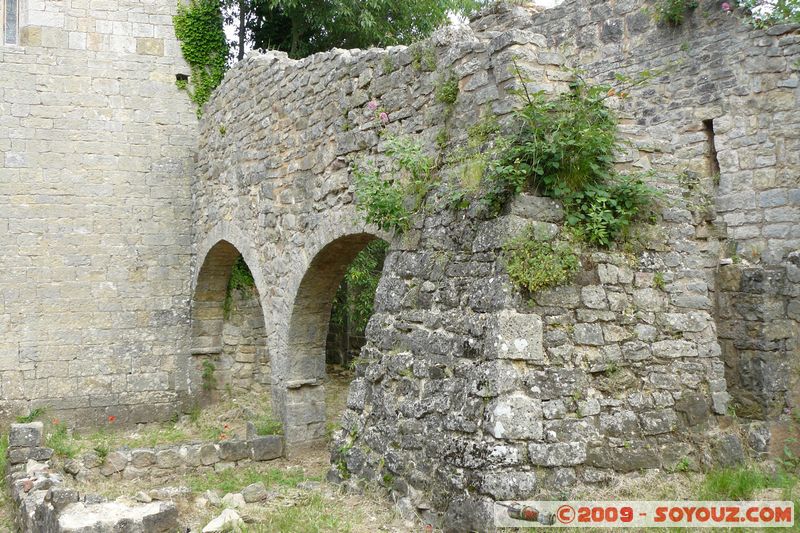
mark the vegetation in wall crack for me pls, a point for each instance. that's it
(199, 28)
(390, 202)
(564, 147)
(35, 414)
(241, 280)
(602, 213)
(536, 264)
(673, 12)
(381, 200)
(560, 144)
(447, 90)
(208, 376)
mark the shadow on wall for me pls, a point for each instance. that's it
(229, 349)
(304, 415)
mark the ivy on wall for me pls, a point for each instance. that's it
(198, 26)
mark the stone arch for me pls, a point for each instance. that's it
(298, 387)
(218, 252)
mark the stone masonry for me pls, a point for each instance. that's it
(467, 391)
(96, 151)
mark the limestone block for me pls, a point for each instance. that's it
(516, 416)
(512, 485)
(266, 448)
(557, 454)
(26, 435)
(517, 336)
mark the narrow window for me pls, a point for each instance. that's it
(9, 21)
(713, 162)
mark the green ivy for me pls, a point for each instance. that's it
(536, 264)
(199, 28)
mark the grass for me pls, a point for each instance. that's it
(34, 415)
(266, 425)
(235, 479)
(310, 515)
(742, 483)
(61, 442)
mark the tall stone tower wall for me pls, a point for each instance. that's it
(96, 151)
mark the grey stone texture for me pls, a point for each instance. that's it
(43, 504)
(463, 378)
(96, 154)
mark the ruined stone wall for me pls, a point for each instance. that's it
(96, 149)
(742, 85)
(468, 390)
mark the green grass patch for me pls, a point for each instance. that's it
(235, 479)
(3, 452)
(266, 425)
(34, 415)
(741, 483)
(310, 515)
(61, 442)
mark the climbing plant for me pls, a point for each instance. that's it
(242, 280)
(199, 28)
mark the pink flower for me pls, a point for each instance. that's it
(384, 117)
(372, 105)
(726, 6)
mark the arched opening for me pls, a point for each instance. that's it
(228, 337)
(317, 336)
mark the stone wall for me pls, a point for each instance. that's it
(96, 150)
(243, 363)
(45, 504)
(470, 391)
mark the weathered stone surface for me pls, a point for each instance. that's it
(142, 458)
(518, 336)
(255, 492)
(169, 458)
(114, 462)
(508, 485)
(233, 500)
(266, 448)
(233, 450)
(111, 516)
(557, 454)
(26, 435)
(227, 520)
(515, 417)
